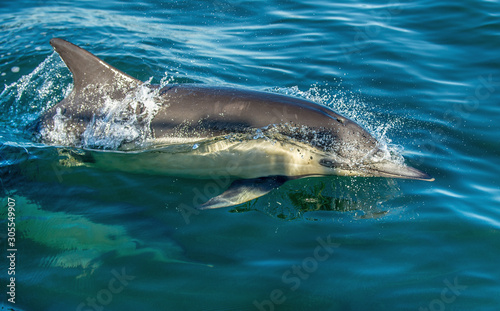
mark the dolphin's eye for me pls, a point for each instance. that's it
(328, 163)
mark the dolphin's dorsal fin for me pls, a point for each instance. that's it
(88, 69)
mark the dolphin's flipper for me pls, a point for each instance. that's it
(244, 190)
(89, 70)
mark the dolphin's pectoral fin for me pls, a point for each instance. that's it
(244, 190)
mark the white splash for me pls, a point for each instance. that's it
(59, 134)
(35, 92)
(258, 134)
(123, 124)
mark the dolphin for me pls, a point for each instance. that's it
(77, 242)
(259, 140)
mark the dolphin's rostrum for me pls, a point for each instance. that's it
(260, 139)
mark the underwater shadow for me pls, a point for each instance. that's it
(323, 198)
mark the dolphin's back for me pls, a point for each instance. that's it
(190, 111)
(213, 111)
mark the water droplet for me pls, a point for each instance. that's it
(196, 146)
(258, 134)
(15, 69)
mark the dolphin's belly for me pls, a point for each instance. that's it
(237, 159)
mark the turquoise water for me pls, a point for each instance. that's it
(423, 76)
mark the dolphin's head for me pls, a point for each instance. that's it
(352, 151)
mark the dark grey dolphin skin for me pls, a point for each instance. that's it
(334, 144)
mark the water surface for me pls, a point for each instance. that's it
(424, 76)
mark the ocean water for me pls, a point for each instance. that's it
(423, 76)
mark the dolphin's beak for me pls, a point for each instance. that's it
(395, 170)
